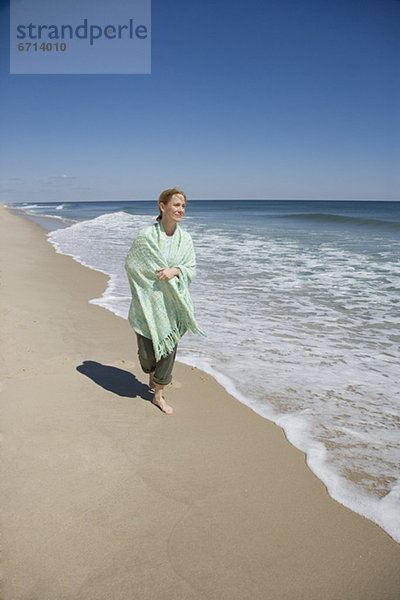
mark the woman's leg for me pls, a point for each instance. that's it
(152, 385)
(146, 357)
(160, 373)
(163, 368)
(162, 377)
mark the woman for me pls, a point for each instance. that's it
(160, 266)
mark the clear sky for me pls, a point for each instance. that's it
(270, 99)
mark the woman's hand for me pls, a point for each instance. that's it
(166, 273)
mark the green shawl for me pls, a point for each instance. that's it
(161, 311)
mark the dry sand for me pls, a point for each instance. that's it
(105, 497)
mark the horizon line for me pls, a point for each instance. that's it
(2, 202)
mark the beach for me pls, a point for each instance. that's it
(104, 496)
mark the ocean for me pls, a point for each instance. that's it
(301, 300)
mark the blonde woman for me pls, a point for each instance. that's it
(160, 266)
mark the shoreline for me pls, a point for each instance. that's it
(382, 511)
(210, 503)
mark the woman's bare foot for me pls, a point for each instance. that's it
(159, 401)
(152, 385)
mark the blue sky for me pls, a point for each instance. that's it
(259, 99)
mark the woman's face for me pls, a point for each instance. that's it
(174, 209)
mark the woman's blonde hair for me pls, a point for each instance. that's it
(166, 196)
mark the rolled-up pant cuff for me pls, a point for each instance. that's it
(162, 369)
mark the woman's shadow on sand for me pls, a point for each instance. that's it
(117, 381)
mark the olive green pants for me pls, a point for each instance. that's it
(163, 368)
